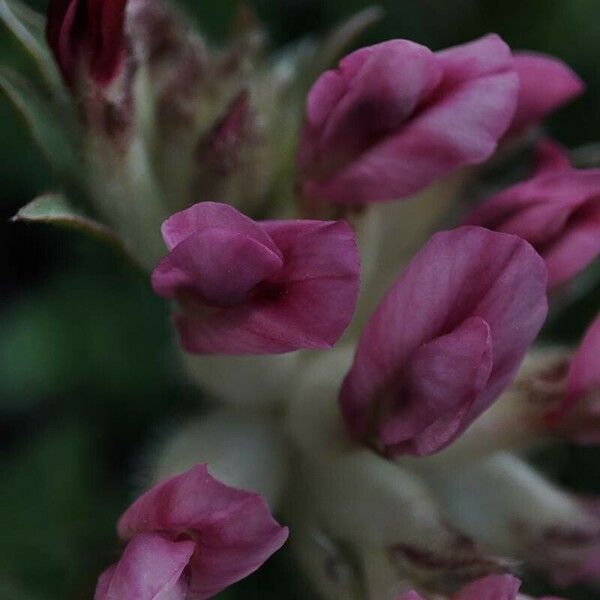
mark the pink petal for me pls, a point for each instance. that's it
(460, 125)
(460, 274)
(441, 381)
(209, 215)
(308, 304)
(362, 101)
(198, 264)
(493, 587)
(546, 84)
(151, 568)
(584, 371)
(577, 248)
(233, 529)
(557, 211)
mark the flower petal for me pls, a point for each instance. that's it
(584, 371)
(209, 215)
(463, 273)
(442, 380)
(151, 568)
(473, 106)
(557, 211)
(493, 587)
(307, 305)
(546, 84)
(362, 102)
(220, 266)
(233, 529)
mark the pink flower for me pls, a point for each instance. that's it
(546, 84)
(493, 587)
(89, 34)
(191, 537)
(578, 416)
(250, 287)
(557, 211)
(445, 341)
(394, 117)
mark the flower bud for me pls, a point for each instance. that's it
(395, 117)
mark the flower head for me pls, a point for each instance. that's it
(557, 211)
(394, 117)
(445, 340)
(249, 287)
(191, 536)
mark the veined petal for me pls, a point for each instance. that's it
(463, 273)
(257, 288)
(440, 384)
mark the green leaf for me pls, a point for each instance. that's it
(47, 130)
(28, 28)
(55, 208)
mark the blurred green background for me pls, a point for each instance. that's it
(87, 379)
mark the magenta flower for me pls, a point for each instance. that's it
(190, 536)
(557, 211)
(248, 287)
(87, 34)
(493, 587)
(394, 117)
(546, 84)
(445, 341)
(578, 416)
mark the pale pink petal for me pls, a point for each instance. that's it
(460, 274)
(459, 124)
(440, 383)
(308, 304)
(151, 568)
(546, 84)
(493, 587)
(233, 530)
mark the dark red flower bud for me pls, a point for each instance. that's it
(89, 35)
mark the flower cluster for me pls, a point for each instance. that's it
(299, 212)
